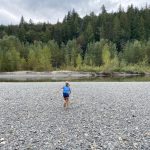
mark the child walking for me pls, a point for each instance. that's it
(66, 94)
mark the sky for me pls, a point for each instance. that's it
(53, 10)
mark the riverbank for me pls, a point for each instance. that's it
(101, 116)
(69, 74)
(31, 76)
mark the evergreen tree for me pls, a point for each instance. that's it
(103, 9)
(92, 40)
(89, 34)
(116, 30)
(141, 29)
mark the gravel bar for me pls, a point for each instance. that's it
(101, 116)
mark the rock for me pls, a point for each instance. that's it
(135, 145)
(110, 146)
(35, 141)
(86, 134)
(104, 116)
(147, 134)
(2, 141)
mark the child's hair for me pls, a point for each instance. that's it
(67, 83)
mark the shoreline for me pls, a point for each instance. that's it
(59, 74)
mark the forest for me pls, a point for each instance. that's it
(116, 41)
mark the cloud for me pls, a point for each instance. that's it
(52, 10)
(6, 15)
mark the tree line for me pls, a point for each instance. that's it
(108, 40)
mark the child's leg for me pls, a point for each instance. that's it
(65, 102)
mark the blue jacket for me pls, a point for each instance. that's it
(66, 89)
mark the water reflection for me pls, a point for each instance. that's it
(77, 79)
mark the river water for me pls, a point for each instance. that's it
(76, 79)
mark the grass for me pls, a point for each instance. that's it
(141, 69)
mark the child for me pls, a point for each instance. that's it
(66, 93)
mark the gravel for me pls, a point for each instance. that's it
(101, 116)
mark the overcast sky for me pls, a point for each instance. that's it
(52, 10)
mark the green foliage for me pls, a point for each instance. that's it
(79, 61)
(107, 42)
(56, 54)
(89, 34)
(44, 59)
(39, 58)
(106, 55)
(118, 27)
(71, 53)
(114, 62)
(1, 60)
(100, 56)
(12, 61)
(93, 54)
(133, 52)
(32, 61)
(147, 50)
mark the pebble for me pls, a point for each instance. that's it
(2, 141)
(101, 116)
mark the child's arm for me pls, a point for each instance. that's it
(59, 90)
